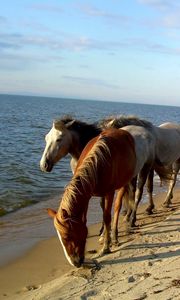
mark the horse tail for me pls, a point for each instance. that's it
(164, 172)
(128, 197)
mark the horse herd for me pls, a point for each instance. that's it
(117, 154)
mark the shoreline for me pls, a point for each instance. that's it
(45, 262)
(22, 230)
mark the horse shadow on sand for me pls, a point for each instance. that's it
(153, 255)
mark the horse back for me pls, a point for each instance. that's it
(113, 156)
(168, 142)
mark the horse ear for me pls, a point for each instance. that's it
(58, 124)
(64, 214)
(111, 123)
(70, 123)
(51, 212)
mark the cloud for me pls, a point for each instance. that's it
(80, 44)
(91, 81)
(17, 60)
(93, 11)
(9, 41)
(3, 20)
(169, 17)
(171, 20)
(47, 7)
(14, 62)
(161, 4)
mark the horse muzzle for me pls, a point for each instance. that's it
(46, 165)
(78, 261)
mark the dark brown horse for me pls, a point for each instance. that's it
(106, 164)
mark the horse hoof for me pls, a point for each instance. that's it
(126, 219)
(115, 243)
(101, 239)
(101, 231)
(165, 204)
(148, 211)
(129, 230)
(132, 225)
(104, 252)
(124, 212)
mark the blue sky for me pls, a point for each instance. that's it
(119, 50)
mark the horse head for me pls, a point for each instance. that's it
(72, 234)
(58, 142)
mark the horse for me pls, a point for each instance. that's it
(168, 153)
(106, 164)
(167, 150)
(145, 146)
(69, 135)
(166, 164)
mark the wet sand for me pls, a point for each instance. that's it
(44, 273)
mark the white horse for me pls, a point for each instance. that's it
(168, 153)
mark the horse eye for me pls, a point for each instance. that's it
(58, 140)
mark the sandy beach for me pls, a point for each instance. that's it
(145, 264)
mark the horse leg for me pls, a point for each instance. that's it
(169, 196)
(150, 192)
(117, 208)
(139, 191)
(131, 200)
(107, 223)
(102, 200)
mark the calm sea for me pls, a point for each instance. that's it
(24, 121)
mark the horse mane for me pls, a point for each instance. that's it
(123, 120)
(86, 175)
(84, 130)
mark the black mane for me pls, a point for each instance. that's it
(85, 130)
(122, 120)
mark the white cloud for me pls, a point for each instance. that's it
(91, 81)
(171, 20)
(161, 4)
(93, 11)
(3, 20)
(47, 7)
(75, 44)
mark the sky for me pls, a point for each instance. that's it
(114, 50)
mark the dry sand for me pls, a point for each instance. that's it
(146, 264)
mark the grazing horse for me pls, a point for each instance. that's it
(106, 164)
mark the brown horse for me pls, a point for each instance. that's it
(106, 164)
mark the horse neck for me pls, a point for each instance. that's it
(75, 149)
(76, 198)
(81, 137)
